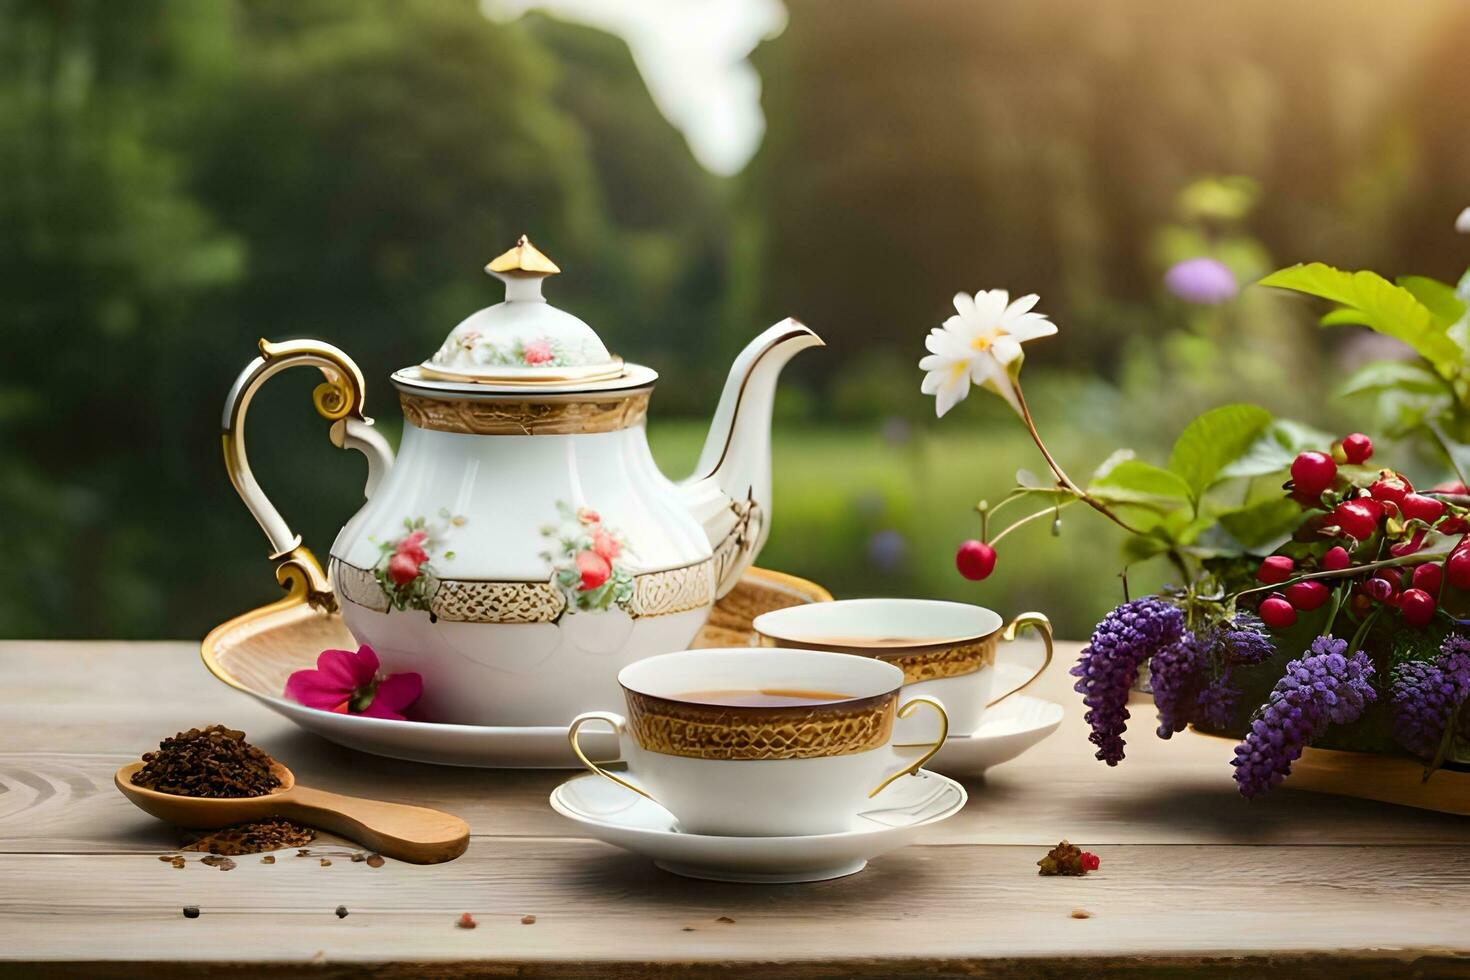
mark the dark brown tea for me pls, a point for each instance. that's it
(765, 697)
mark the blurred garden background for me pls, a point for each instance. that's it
(180, 178)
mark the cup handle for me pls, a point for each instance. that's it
(619, 726)
(906, 709)
(1042, 625)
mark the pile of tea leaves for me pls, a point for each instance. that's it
(251, 838)
(213, 762)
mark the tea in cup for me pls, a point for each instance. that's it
(761, 742)
(946, 650)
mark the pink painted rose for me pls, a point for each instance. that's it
(413, 547)
(402, 569)
(606, 545)
(538, 352)
(594, 568)
(349, 683)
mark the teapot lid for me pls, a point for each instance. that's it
(523, 340)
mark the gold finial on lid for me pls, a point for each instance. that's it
(525, 259)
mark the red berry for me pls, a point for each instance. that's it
(1358, 519)
(1311, 473)
(1336, 559)
(1454, 525)
(1380, 588)
(1391, 487)
(1457, 569)
(975, 560)
(1417, 606)
(1277, 568)
(1277, 613)
(1090, 861)
(1357, 447)
(1417, 507)
(1451, 486)
(1307, 595)
(1428, 578)
(1410, 546)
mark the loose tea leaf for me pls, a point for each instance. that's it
(252, 838)
(341, 911)
(1064, 859)
(375, 861)
(466, 921)
(191, 911)
(214, 762)
(216, 861)
(528, 920)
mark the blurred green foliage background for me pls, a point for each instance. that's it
(178, 179)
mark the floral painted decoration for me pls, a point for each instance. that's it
(473, 349)
(587, 562)
(351, 683)
(405, 571)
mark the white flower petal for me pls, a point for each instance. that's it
(1031, 326)
(964, 305)
(1005, 349)
(988, 373)
(990, 305)
(1022, 305)
(935, 362)
(933, 380)
(951, 393)
(1462, 223)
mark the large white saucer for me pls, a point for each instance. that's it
(621, 817)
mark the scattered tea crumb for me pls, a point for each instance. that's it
(216, 861)
(375, 861)
(326, 862)
(168, 857)
(358, 856)
(528, 920)
(178, 861)
(466, 921)
(1081, 914)
(726, 919)
(268, 859)
(1067, 859)
(213, 762)
(304, 852)
(341, 911)
(687, 929)
(191, 911)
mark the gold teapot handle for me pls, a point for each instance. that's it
(1042, 625)
(339, 399)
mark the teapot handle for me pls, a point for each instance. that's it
(339, 399)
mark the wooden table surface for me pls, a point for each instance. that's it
(1194, 880)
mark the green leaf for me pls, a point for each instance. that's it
(1134, 480)
(1264, 523)
(1212, 441)
(1275, 449)
(1400, 375)
(1378, 304)
(1438, 297)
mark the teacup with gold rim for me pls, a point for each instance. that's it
(946, 650)
(761, 742)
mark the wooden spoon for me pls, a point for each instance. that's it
(408, 833)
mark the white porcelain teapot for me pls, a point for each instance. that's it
(524, 547)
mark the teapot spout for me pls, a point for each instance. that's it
(730, 491)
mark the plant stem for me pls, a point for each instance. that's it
(1028, 519)
(1061, 474)
(1416, 558)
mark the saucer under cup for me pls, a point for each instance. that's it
(762, 770)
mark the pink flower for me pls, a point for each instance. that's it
(349, 683)
(402, 569)
(538, 352)
(588, 516)
(413, 547)
(594, 568)
(606, 546)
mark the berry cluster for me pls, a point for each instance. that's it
(1365, 518)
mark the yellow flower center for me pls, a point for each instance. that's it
(983, 341)
(957, 369)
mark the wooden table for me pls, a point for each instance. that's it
(1194, 880)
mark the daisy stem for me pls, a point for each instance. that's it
(1056, 467)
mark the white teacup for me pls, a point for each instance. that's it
(946, 650)
(761, 742)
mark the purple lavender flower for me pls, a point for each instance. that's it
(1426, 695)
(1321, 689)
(1201, 280)
(1109, 665)
(1177, 674)
(1216, 702)
(1246, 641)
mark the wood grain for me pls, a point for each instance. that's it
(1195, 880)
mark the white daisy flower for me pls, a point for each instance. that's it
(1462, 223)
(981, 344)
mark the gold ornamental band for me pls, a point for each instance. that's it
(923, 664)
(708, 731)
(525, 417)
